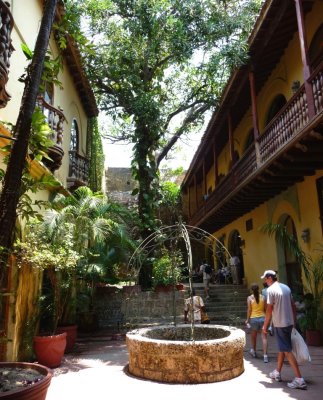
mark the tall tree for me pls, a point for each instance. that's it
(159, 65)
(12, 179)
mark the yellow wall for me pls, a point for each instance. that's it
(280, 81)
(27, 23)
(260, 251)
(300, 201)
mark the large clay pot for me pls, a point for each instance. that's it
(37, 391)
(49, 350)
(71, 336)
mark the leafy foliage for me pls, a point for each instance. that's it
(58, 260)
(158, 66)
(96, 155)
(167, 268)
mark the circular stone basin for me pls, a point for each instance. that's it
(167, 354)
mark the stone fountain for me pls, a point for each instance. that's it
(184, 353)
(166, 353)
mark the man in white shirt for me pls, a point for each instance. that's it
(282, 310)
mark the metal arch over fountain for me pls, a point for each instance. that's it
(183, 353)
(172, 233)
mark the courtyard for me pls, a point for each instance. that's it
(97, 369)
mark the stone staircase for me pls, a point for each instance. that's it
(227, 304)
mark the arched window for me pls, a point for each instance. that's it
(48, 93)
(74, 143)
(276, 105)
(316, 48)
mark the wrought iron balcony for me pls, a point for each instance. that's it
(290, 148)
(78, 171)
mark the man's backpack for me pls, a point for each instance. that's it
(207, 269)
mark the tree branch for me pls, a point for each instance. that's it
(191, 117)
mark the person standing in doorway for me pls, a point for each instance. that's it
(235, 269)
(256, 304)
(282, 310)
(206, 270)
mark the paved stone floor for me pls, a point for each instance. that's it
(96, 371)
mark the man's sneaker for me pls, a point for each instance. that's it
(253, 353)
(275, 375)
(297, 383)
(265, 358)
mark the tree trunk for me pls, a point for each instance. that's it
(12, 180)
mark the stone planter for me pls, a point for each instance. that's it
(161, 355)
(36, 391)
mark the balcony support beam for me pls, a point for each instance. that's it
(305, 58)
(255, 121)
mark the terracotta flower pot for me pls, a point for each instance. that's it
(49, 350)
(71, 336)
(36, 391)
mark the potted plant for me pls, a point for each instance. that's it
(312, 319)
(24, 381)
(167, 270)
(57, 262)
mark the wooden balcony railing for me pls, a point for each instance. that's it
(281, 131)
(316, 80)
(79, 169)
(6, 48)
(289, 121)
(55, 119)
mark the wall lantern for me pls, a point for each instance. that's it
(295, 86)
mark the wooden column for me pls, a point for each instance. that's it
(189, 201)
(215, 164)
(195, 188)
(204, 178)
(231, 144)
(305, 58)
(255, 122)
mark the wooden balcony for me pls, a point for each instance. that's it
(55, 119)
(78, 171)
(290, 148)
(6, 48)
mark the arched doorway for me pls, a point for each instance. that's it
(235, 250)
(293, 269)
